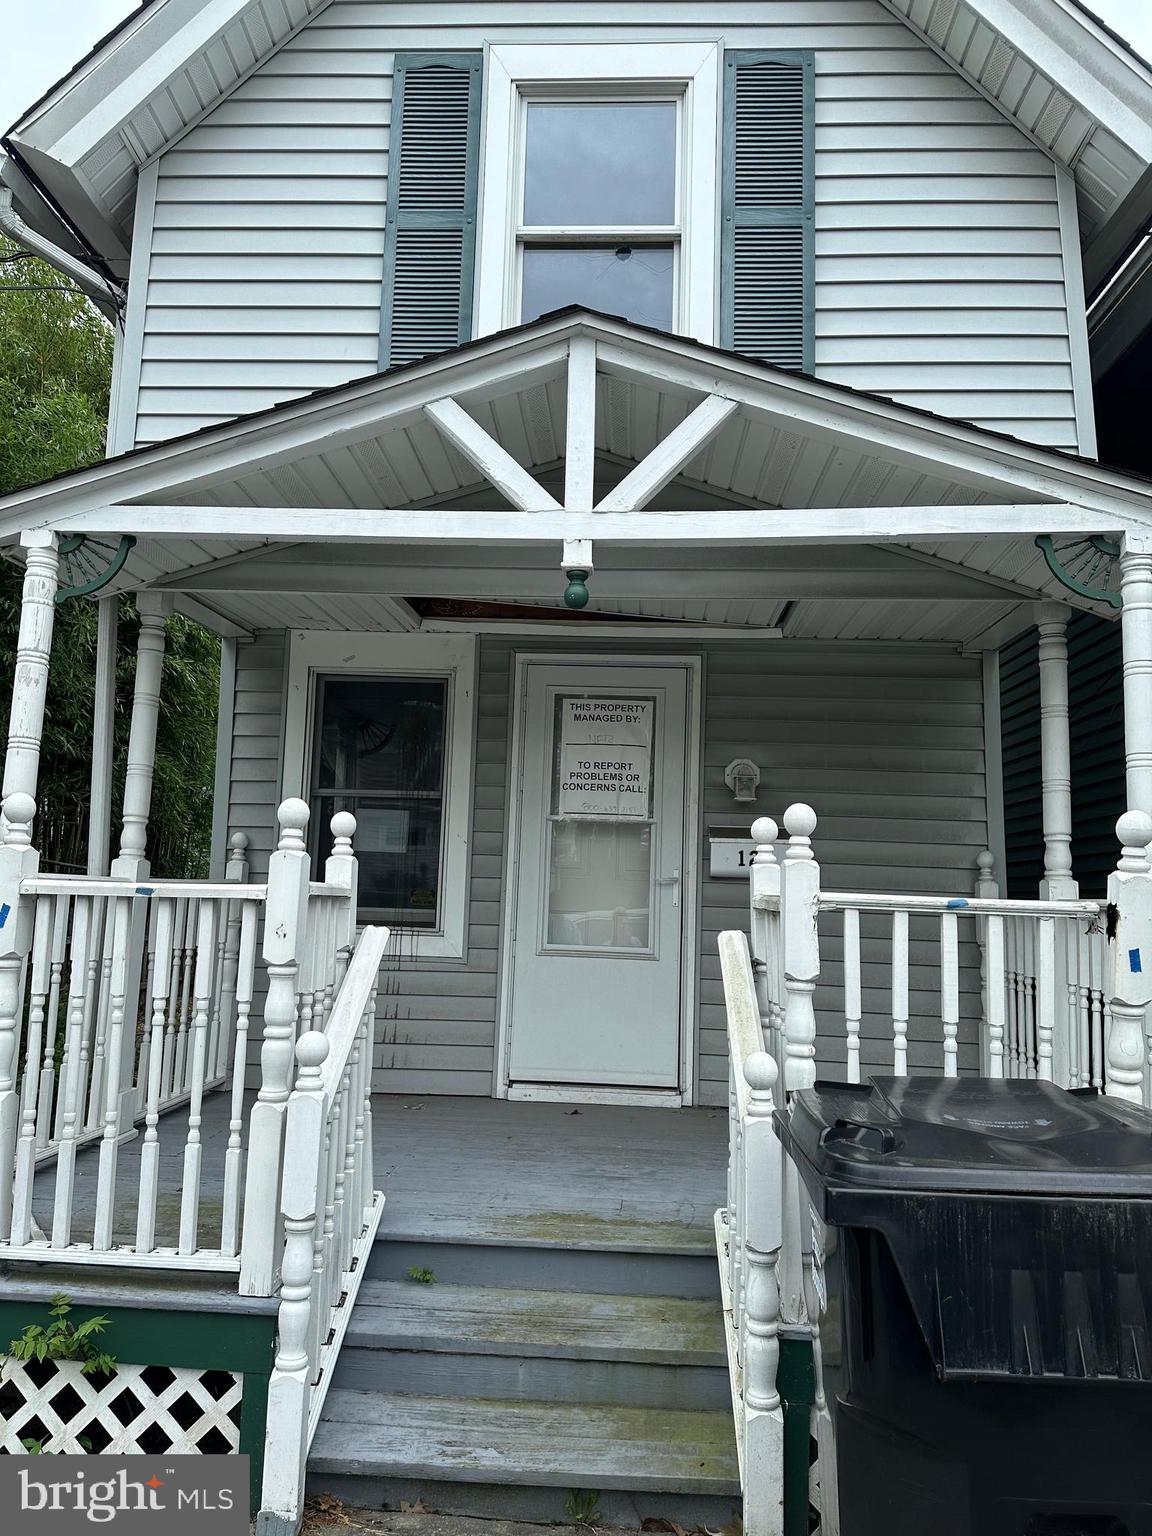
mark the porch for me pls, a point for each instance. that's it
(191, 1072)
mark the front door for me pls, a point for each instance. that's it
(598, 903)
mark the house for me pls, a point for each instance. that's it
(589, 429)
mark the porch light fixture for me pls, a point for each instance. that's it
(743, 778)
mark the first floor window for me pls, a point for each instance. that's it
(379, 751)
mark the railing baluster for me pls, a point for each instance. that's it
(102, 1009)
(997, 986)
(163, 927)
(1097, 961)
(40, 982)
(187, 982)
(49, 1089)
(852, 1001)
(72, 1070)
(234, 1157)
(900, 994)
(197, 1068)
(1033, 1050)
(172, 1022)
(1045, 996)
(950, 989)
(117, 925)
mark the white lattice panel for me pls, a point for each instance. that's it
(140, 1408)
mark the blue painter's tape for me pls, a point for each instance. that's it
(956, 903)
(4, 911)
(144, 890)
(1134, 960)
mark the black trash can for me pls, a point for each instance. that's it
(984, 1265)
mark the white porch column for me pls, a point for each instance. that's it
(1136, 624)
(18, 859)
(103, 728)
(1055, 754)
(131, 863)
(30, 680)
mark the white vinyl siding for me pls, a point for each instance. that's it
(887, 746)
(940, 278)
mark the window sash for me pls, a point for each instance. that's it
(320, 791)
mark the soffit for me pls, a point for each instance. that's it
(1075, 88)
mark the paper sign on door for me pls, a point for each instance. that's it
(605, 757)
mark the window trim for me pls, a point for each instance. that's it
(331, 653)
(516, 71)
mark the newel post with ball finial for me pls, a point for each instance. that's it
(285, 917)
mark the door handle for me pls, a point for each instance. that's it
(674, 881)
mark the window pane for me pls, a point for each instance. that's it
(380, 733)
(599, 884)
(380, 754)
(600, 163)
(397, 847)
(634, 282)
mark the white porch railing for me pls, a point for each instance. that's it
(888, 983)
(331, 1212)
(133, 1003)
(749, 1234)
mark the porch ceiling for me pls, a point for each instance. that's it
(672, 441)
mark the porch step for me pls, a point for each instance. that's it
(523, 1444)
(674, 1267)
(521, 1345)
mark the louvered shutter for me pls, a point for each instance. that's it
(430, 235)
(768, 267)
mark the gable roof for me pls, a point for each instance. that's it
(1052, 67)
(964, 462)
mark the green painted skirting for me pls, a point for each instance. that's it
(206, 1341)
(796, 1382)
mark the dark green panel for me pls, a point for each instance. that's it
(1096, 714)
(767, 249)
(430, 220)
(1096, 739)
(1020, 735)
(194, 1340)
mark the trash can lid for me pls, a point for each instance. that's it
(971, 1135)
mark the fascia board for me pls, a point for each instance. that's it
(1109, 83)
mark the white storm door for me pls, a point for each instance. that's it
(599, 900)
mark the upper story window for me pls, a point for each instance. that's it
(600, 184)
(629, 178)
(600, 207)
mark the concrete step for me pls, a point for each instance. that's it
(556, 1346)
(429, 1441)
(679, 1269)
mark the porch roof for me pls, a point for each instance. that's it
(474, 466)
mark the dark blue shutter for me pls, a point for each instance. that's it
(430, 234)
(768, 200)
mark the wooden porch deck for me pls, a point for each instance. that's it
(474, 1171)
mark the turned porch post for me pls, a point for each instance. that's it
(1136, 627)
(285, 921)
(33, 645)
(18, 859)
(1055, 754)
(1130, 959)
(132, 863)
